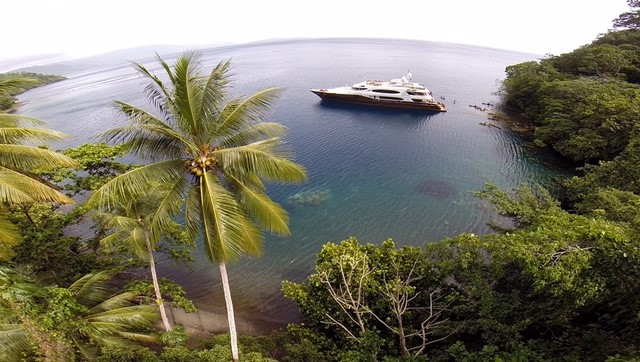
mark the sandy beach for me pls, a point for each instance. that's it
(204, 322)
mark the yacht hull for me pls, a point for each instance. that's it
(364, 100)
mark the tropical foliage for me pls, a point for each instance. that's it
(65, 324)
(584, 105)
(375, 302)
(52, 253)
(135, 226)
(546, 290)
(252, 349)
(18, 183)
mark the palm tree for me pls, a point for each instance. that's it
(18, 182)
(212, 154)
(110, 320)
(59, 323)
(137, 226)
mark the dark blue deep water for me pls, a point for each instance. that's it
(374, 174)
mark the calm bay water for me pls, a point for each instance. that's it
(366, 164)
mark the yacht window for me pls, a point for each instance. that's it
(389, 91)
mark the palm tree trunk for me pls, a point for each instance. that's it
(232, 321)
(156, 287)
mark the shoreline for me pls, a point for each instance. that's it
(514, 122)
(209, 323)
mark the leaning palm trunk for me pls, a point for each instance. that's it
(230, 315)
(136, 232)
(156, 287)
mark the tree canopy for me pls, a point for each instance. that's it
(629, 19)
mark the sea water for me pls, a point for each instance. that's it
(373, 173)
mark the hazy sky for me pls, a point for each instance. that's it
(83, 27)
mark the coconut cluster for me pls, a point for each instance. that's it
(198, 166)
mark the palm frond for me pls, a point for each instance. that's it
(91, 288)
(155, 91)
(28, 158)
(140, 116)
(88, 351)
(132, 240)
(120, 339)
(192, 216)
(9, 236)
(125, 231)
(256, 132)
(122, 316)
(135, 183)
(13, 342)
(137, 243)
(254, 181)
(240, 113)
(132, 221)
(116, 221)
(269, 214)
(187, 93)
(147, 136)
(167, 206)
(263, 159)
(252, 243)
(167, 69)
(16, 188)
(118, 326)
(114, 303)
(138, 337)
(226, 231)
(113, 241)
(145, 142)
(12, 135)
(102, 337)
(215, 92)
(11, 120)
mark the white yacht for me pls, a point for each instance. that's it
(396, 93)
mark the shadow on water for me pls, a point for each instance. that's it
(435, 188)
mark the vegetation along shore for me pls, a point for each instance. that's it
(16, 83)
(560, 284)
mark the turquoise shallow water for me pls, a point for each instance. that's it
(367, 164)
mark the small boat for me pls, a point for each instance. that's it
(396, 93)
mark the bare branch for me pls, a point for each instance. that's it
(353, 307)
